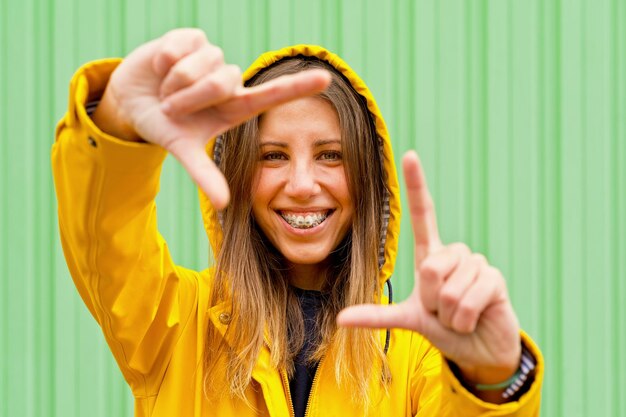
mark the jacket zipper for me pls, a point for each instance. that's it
(313, 386)
(283, 376)
(292, 412)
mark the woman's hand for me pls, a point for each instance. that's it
(177, 92)
(459, 301)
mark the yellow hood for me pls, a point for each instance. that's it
(209, 215)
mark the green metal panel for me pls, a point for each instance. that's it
(518, 109)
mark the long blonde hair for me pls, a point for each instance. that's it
(253, 277)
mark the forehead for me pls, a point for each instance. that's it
(309, 117)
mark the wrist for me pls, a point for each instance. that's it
(108, 120)
(489, 375)
(499, 391)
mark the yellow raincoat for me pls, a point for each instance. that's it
(154, 313)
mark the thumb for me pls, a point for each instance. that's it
(192, 156)
(400, 316)
(380, 317)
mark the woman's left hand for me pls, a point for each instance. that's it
(459, 301)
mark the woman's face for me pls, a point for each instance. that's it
(301, 199)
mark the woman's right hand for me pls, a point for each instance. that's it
(177, 92)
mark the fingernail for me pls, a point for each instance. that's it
(166, 107)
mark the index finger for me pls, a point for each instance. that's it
(421, 206)
(249, 101)
(204, 172)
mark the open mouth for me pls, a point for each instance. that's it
(305, 220)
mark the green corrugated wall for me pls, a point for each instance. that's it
(518, 109)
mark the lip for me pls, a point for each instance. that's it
(304, 232)
(303, 211)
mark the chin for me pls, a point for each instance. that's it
(306, 258)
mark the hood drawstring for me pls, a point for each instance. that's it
(388, 335)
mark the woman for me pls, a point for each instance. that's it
(311, 230)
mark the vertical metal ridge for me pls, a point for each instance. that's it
(43, 230)
(472, 80)
(621, 207)
(29, 268)
(411, 142)
(620, 140)
(194, 13)
(4, 178)
(338, 27)
(550, 407)
(467, 121)
(462, 56)
(483, 138)
(363, 49)
(534, 177)
(220, 26)
(411, 79)
(266, 17)
(291, 19)
(615, 189)
(556, 215)
(253, 32)
(402, 268)
(510, 129)
(435, 183)
(53, 239)
(122, 27)
(147, 11)
(584, 192)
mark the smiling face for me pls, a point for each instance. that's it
(301, 199)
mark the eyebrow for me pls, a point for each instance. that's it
(319, 142)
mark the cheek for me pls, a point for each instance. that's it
(341, 190)
(263, 189)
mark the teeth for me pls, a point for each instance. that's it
(304, 222)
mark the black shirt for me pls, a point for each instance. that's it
(302, 380)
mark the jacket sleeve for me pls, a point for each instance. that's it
(121, 265)
(437, 392)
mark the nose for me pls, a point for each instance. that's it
(302, 182)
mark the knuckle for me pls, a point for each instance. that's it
(216, 53)
(175, 106)
(428, 272)
(479, 259)
(183, 75)
(494, 272)
(461, 248)
(466, 311)
(193, 36)
(501, 281)
(172, 33)
(196, 33)
(235, 70)
(425, 207)
(215, 87)
(168, 54)
(448, 298)
(463, 324)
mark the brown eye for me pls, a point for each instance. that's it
(330, 156)
(273, 156)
